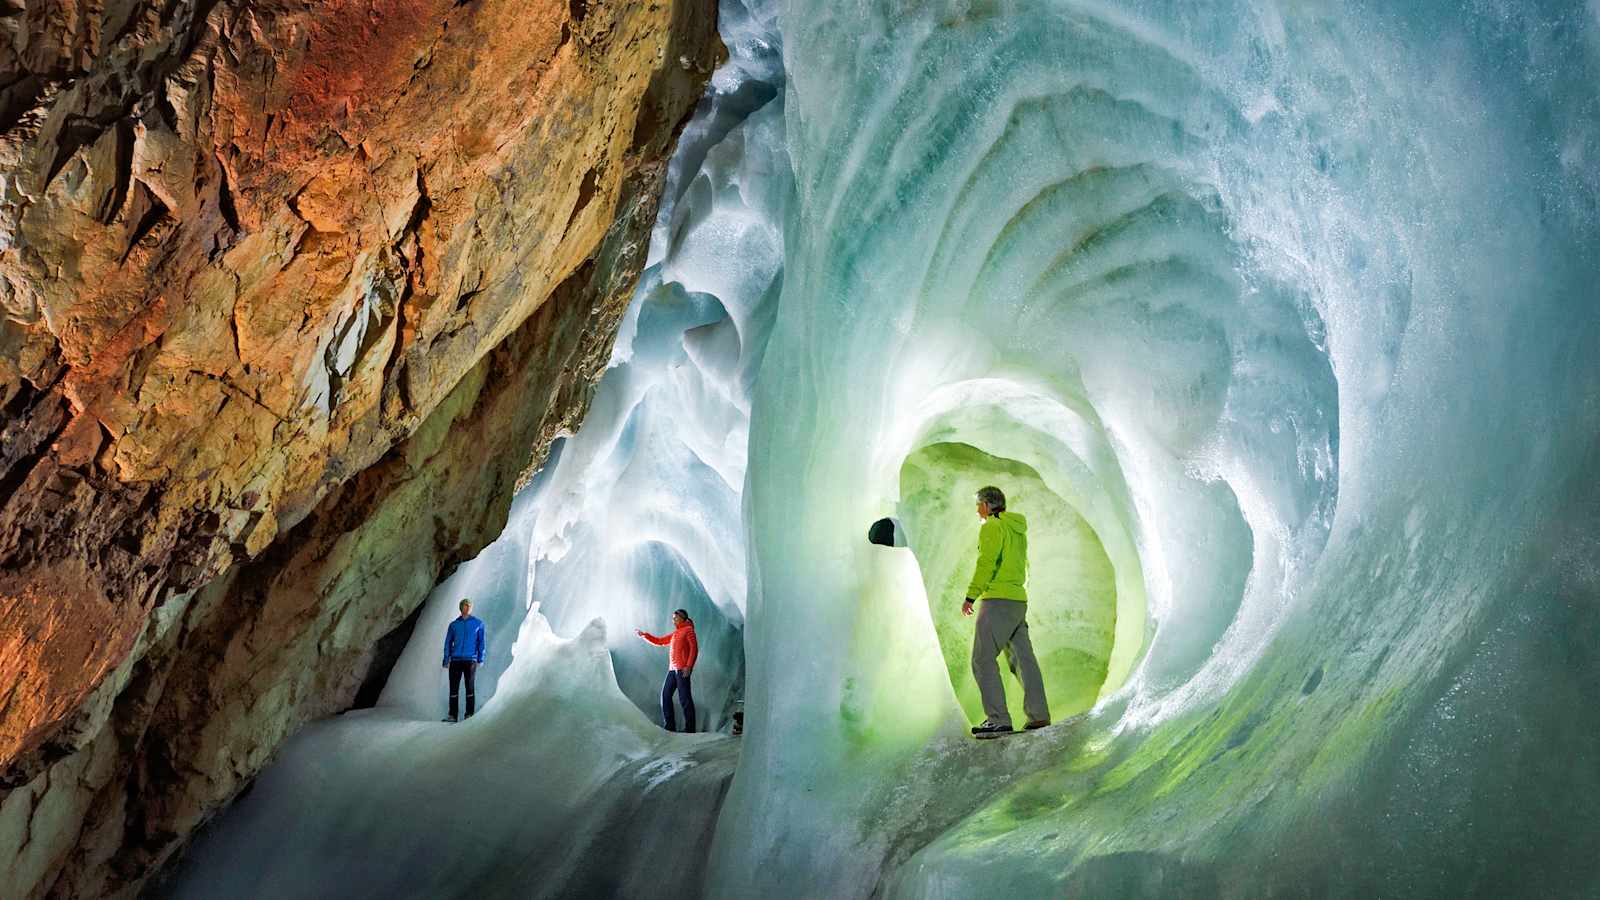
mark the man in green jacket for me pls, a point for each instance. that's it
(1000, 583)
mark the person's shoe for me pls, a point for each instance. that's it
(1036, 725)
(985, 724)
(450, 719)
(989, 730)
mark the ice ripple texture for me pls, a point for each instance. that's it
(1290, 302)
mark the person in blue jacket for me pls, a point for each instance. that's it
(463, 653)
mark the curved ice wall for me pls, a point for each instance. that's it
(1286, 310)
(1296, 302)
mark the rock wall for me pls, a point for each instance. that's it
(292, 295)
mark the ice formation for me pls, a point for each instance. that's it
(1282, 317)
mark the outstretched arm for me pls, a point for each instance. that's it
(658, 641)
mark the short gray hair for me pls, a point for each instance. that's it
(992, 497)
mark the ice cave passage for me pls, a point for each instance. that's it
(1072, 633)
(1276, 319)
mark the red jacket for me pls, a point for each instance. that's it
(685, 649)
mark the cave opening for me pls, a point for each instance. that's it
(669, 583)
(1072, 589)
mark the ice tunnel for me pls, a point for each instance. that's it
(1057, 466)
(1072, 636)
(1276, 319)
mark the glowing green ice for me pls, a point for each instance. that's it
(1071, 583)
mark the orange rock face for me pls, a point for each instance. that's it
(246, 249)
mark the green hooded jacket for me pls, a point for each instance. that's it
(1002, 568)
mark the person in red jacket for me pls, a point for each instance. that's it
(684, 651)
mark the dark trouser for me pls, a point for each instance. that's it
(463, 668)
(680, 682)
(1003, 628)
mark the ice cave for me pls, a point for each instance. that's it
(1278, 320)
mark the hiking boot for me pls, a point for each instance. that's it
(990, 730)
(450, 719)
(981, 726)
(1037, 724)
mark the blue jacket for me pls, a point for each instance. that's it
(464, 640)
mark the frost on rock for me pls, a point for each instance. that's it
(1281, 352)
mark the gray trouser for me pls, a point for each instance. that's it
(1003, 626)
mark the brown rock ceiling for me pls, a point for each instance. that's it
(292, 292)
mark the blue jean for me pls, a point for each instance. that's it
(677, 681)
